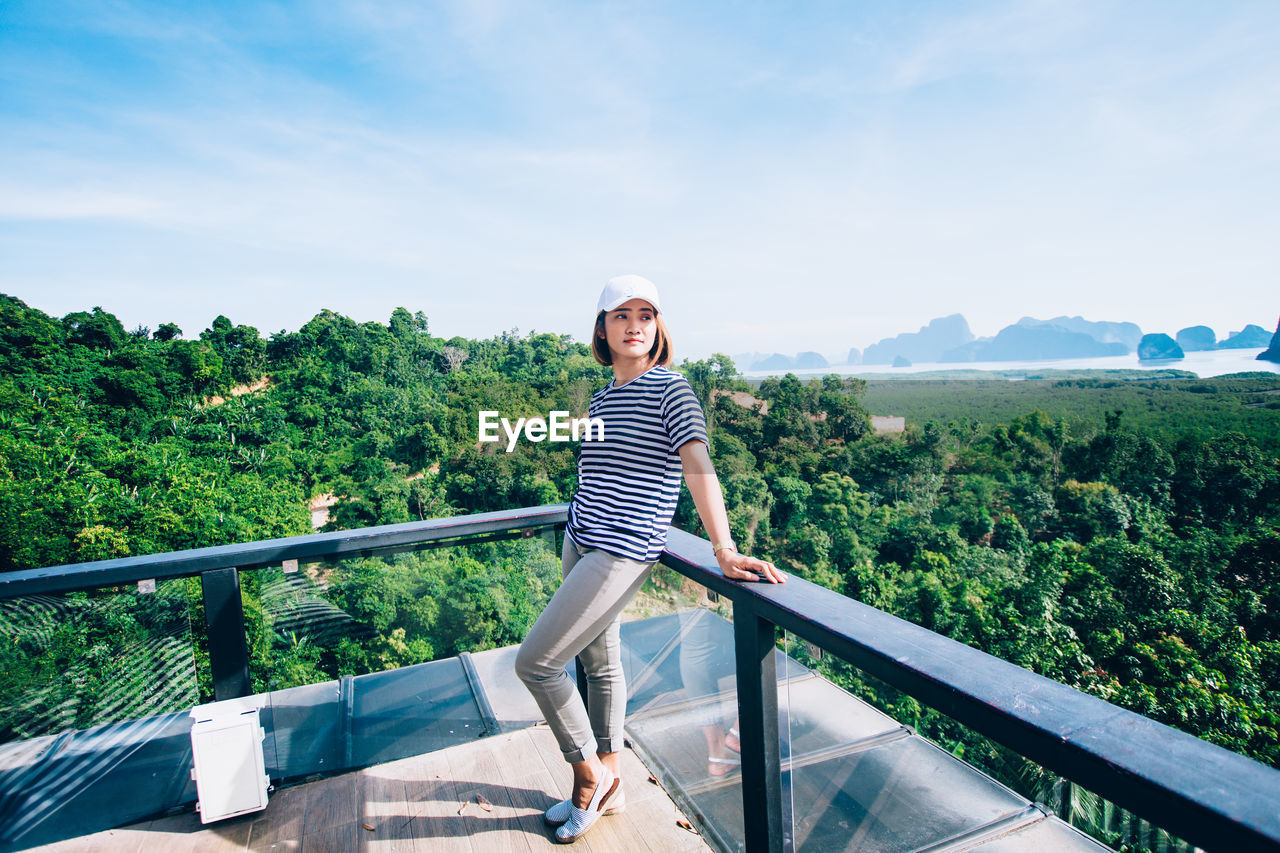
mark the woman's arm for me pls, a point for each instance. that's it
(700, 475)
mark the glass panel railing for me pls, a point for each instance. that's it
(93, 699)
(358, 660)
(352, 662)
(320, 621)
(682, 700)
(90, 658)
(869, 784)
(353, 722)
(877, 768)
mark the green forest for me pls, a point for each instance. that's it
(1117, 534)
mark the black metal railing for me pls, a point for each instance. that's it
(1208, 795)
(218, 569)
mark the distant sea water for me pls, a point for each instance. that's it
(1202, 364)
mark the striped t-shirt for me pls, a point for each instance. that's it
(629, 482)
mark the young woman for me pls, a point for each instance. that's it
(628, 484)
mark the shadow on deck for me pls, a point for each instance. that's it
(435, 740)
(477, 797)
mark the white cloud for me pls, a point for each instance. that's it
(40, 202)
(459, 159)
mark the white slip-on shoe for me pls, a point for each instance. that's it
(580, 820)
(560, 812)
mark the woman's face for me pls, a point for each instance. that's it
(630, 330)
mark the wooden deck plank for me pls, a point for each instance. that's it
(230, 836)
(98, 842)
(184, 833)
(478, 773)
(661, 815)
(330, 802)
(281, 821)
(338, 838)
(529, 784)
(412, 806)
(522, 756)
(552, 757)
(432, 799)
(381, 803)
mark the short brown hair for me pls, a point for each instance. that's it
(660, 353)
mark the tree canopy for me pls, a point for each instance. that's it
(1122, 537)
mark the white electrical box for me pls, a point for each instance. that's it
(226, 748)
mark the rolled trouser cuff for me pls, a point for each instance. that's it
(610, 744)
(577, 756)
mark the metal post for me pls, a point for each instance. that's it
(753, 639)
(224, 624)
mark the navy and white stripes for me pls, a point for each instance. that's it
(629, 482)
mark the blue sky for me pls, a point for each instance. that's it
(792, 176)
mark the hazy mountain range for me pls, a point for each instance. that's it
(949, 340)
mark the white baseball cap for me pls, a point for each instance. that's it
(621, 288)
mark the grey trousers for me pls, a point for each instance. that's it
(582, 619)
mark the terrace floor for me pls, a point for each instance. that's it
(864, 782)
(487, 795)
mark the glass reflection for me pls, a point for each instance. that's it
(93, 708)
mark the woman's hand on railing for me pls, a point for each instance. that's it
(704, 486)
(740, 567)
